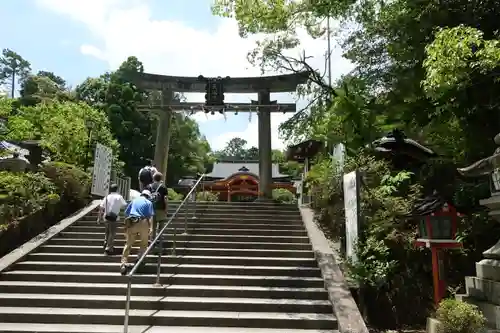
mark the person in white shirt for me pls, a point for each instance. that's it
(109, 211)
(146, 174)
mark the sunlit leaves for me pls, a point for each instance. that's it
(258, 16)
(271, 16)
(61, 129)
(454, 55)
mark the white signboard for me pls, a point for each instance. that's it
(102, 170)
(351, 213)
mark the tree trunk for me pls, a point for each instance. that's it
(13, 84)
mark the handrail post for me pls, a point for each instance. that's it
(158, 263)
(127, 305)
(194, 203)
(175, 240)
(186, 211)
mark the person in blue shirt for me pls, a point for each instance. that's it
(138, 221)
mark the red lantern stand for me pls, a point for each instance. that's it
(431, 239)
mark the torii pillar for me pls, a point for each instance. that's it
(265, 150)
(163, 132)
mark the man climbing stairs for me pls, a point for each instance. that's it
(241, 267)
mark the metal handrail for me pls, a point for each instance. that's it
(159, 237)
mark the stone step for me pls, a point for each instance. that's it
(190, 251)
(278, 245)
(178, 259)
(223, 213)
(240, 268)
(93, 226)
(167, 317)
(482, 289)
(201, 237)
(232, 219)
(232, 210)
(159, 303)
(202, 231)
(68, 328)
(167, 268)
(240, 205)
(166, 279)
(33, 287)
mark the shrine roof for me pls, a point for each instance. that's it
(430, 204)
(223, 170)
(303, 150)
(276, 83)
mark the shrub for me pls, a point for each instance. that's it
(456, 316)
(387, 259)
(72, 183)
(22, 194)
(207, 196)
(282, 195)
(32, 202)
(174, 196)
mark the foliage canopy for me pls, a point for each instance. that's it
(429, 68)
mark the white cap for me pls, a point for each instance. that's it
(146, 193)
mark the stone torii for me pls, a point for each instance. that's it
(264, 86)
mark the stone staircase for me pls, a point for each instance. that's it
(245, 267)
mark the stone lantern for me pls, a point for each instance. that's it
(483, 289)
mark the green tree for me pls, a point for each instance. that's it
(252, 153)
(42, 87)
(235, 149)
(66, 141)
(36, 89)
(188, 153)
(61, 83)
(119, 99)
(14, 67)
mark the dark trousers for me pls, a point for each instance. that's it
(109, 234)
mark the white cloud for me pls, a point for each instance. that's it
(92, 51)
(126, 27)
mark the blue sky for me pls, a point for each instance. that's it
(81, 38)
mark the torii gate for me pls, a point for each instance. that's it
(264, 86)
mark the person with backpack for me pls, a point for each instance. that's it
(159, 198)
(108, 213)
(146, 175)
(138, 224)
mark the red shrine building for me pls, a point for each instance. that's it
(239, 180)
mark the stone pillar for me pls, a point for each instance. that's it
(265, 153)
(164, 117)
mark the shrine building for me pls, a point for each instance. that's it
(238, 181)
